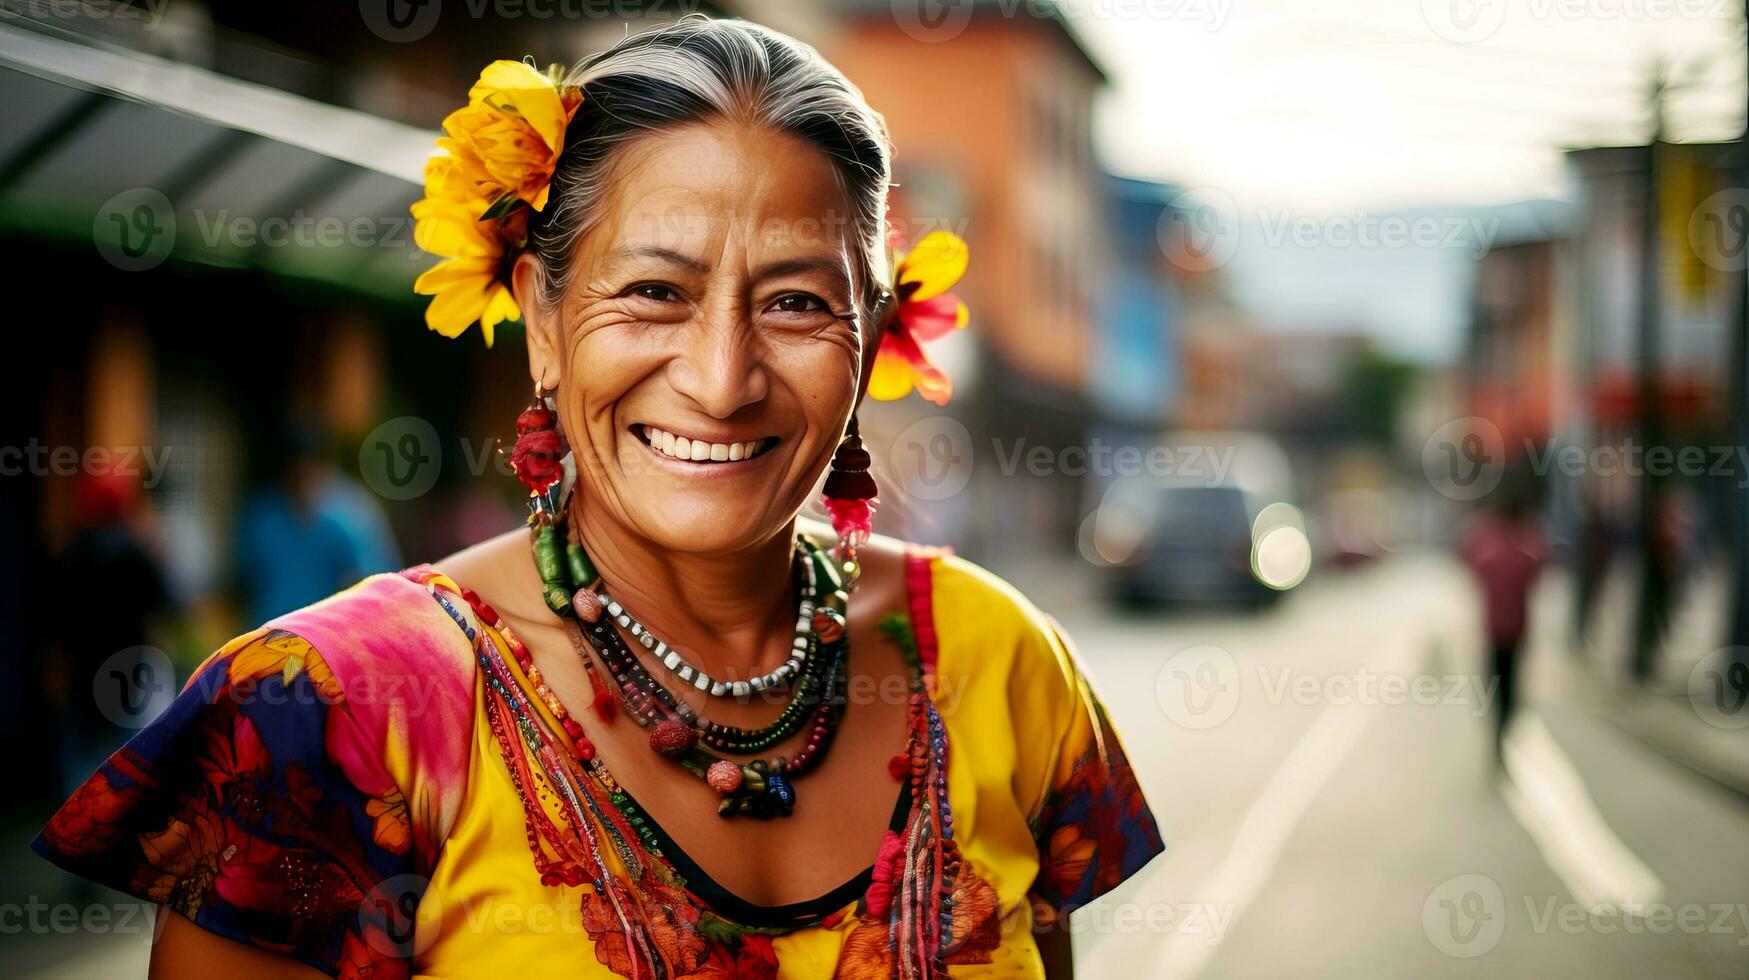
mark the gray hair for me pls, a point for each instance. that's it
(695, 70)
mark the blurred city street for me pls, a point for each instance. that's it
(1358, 829)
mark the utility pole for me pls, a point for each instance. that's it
(1649, 616)
(1739, 333)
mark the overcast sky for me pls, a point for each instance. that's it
(1334, 105)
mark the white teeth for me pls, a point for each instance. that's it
(698, 450)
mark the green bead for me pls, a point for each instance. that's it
(583, 573)
(558, 600)
(829, 576)
(546, 555)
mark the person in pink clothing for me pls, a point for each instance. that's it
(1503, 546)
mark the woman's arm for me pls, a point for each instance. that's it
(183, 949)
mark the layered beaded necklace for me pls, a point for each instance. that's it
(815, 672)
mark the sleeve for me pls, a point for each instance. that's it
(256, 807)
(1092, 825)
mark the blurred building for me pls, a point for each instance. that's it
(990, 106)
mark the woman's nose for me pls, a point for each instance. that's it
(721, 369)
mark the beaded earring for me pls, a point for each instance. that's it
(849, 499)
(538, 458)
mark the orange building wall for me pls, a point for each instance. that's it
(971, 105)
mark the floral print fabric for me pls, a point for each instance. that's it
(320, 777)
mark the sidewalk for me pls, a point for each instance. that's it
(1692, 710)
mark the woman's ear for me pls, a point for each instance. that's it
(545, 352)
(881, 315)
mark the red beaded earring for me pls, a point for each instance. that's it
(538, 458)
(849, 498)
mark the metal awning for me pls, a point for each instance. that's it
(243, 174)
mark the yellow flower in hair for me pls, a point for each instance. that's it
(474, 282)
(496, 162)
(926, 311)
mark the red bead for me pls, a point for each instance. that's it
(723, 776)
(827, 627)
(585, 749)
(673, 738)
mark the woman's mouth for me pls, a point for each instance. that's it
(699, 450)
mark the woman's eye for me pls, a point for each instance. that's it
(798, 303)
(654, 291)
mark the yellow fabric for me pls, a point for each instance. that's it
(1014, 707)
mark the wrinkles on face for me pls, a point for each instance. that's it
(713, 301)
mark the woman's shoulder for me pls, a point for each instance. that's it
(974, 618)
(386, 627)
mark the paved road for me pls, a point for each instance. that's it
(1325, 777)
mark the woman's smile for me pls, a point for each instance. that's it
(698, 452)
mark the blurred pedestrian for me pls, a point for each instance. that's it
(107, 553)
(312, 532)
(1504, 547)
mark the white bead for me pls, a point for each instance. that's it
(614, 608)
(758, 683)
(740, 689)
(648, 641)
(718, 689)
(702, 683)
(685, 672)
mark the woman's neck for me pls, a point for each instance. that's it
(730, 614)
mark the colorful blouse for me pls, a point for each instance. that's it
(359, 785)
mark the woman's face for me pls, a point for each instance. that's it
(704, 366)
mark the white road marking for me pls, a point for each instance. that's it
(1548, 796)
(1265, 831)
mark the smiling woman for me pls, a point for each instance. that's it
(634, 740)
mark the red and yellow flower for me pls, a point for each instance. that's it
(497, 163)
(926, 312)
